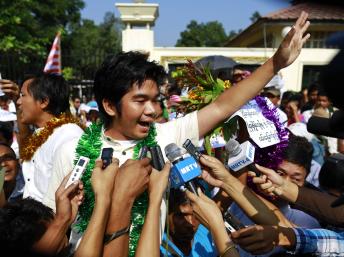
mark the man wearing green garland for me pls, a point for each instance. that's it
(126, 88)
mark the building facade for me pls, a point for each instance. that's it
(253, 46)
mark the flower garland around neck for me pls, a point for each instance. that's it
(33, 142)
(90, 145)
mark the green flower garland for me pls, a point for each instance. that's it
(90, 145)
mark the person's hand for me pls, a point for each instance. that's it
(293, 107)
(291, 45)
(217, 172)
(10, 89)
(206, 210)
(158, 182)
(68, 200)
(103, 180)
(269, 182)
(256, 239)
(133, 178)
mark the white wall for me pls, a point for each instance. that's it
(292, 75)
(137, 39)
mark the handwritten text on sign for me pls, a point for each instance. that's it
(262, 131)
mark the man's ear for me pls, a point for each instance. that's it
(44, 103)
(109, 108)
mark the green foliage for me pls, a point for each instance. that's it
(88, 44)
(255, 16)
(203, 34)
(203, 89)
(27, 27)
(68, 73)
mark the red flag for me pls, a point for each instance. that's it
(53, 64)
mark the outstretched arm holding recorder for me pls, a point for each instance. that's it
(256, 208)
(206, 210)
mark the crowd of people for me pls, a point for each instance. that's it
(128, 208)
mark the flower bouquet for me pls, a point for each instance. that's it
(203, 89)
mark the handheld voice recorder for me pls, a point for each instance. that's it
(78, 170)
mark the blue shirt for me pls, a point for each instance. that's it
(18, 190)
(322, 242)
(202, 246)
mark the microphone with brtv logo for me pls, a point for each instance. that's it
(241, 156)
(231, 222)
(184, 169)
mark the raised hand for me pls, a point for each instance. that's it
(103, 180)
(291, 45)
(158, 182)
(10, 88)
(206, 210)
(210, 215)
(133, 178)
(68, 200)
(256, 239)
(269, 182)
(216, 173)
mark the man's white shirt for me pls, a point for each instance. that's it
(55, 154)
(175, 131)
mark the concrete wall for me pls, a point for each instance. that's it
(291, 75)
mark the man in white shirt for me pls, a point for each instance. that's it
(127, 93)
(44, 102)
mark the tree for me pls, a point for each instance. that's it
(27, 27)
(86, 46)
(255, 16)
(204, 34)
(232, 34)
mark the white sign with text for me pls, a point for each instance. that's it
(261, 130)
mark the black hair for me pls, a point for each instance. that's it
(22, 224)
(9, 147)
(313, 87)
(75, 97)
(322, 91)
(6, 129)
(53, 88)
(4, 98)
(331, 175)
(299, 151)
(176, 198)
(290, 96)
(174, 89)
(118, 74)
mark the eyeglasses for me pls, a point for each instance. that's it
(7, 157)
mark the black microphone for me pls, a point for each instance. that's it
(192, 149)
(157, 158)
(241, 155)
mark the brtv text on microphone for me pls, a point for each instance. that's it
(184, 169)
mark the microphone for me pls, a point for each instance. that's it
(241, 155)
(157, 158)
(184, 169)
(192, 150)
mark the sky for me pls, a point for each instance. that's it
(175, 15)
